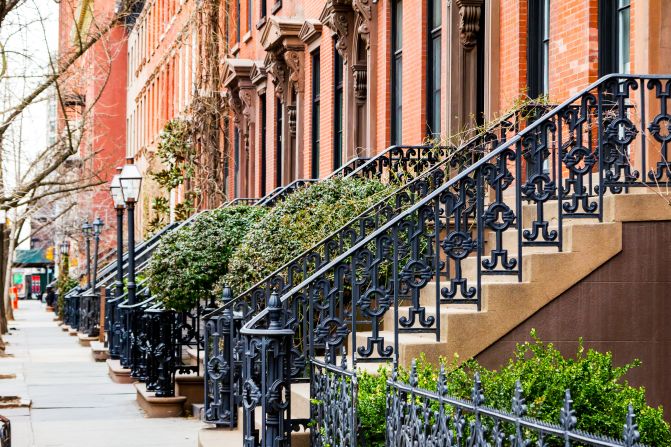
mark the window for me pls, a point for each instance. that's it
(264, 7)
(538, 48)
(338, 111)
(264, 125)
(227, 154)
(249, 15)
(614, 34)
(279, 119)
(623, 29)
(433, 68)
(396, 71)
(316, 81)
(236, 161)
(237, 21)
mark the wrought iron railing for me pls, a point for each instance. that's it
(280, 194)
(420, 417)
(241, 201)
(422, 166)
(608, 138)
(5, 432)
(89, 311)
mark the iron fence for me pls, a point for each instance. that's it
(455, 231)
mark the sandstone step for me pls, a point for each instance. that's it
(190, 386)
(99, 351)
(429, 312)
(212, 436)
(411, 345)
(85, 340)
(117, 373)
(158, 407)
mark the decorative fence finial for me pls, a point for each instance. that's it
(567, 415)
(275, 311)
(631, 436)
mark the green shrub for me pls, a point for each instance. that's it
(600, 394)
(305, 218)
(188, 262)
(63, 286)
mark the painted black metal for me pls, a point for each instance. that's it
(5, 432)
(450, 230)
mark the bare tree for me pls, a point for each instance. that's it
(42, 177)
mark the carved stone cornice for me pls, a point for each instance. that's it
(469, 22)
(294, 60)
(279, 72)
(310, 31)
(237, 82)
(360, 72)
(364, 16)
(237, 71)
(291, 112)
(336, 15)
(281, 32)
(258, 73)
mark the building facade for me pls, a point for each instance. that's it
(302, 87)
(90, 116)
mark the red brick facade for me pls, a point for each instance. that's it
(267, 65)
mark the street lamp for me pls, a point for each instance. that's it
(119, 205)
(97, 229)
(131, 181)
(65, 253)
(87, 230)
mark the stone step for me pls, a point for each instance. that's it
(212, 436)
(429, 312)
(99, 351)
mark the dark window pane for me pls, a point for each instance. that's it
(316, 81)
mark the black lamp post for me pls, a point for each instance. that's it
(119, 205)
(131, 181)
(87, 230)
(97, 229)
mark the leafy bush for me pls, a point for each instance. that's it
(305, 218)
(600, 395)
(188, 262)
(63, 286)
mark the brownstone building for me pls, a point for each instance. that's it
(312, 84)
(302, 87)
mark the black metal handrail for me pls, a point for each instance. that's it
(587, 138)
(283, 192)
(224, 323)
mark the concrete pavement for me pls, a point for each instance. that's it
(74, 402)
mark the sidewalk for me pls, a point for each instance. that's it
(74, 402)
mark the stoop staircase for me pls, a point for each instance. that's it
(450, 268)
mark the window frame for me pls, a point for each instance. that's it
(396, 128)
(315, 112)
(434, 68)
(338, 105)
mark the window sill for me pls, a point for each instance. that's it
(276, 7)
(247, 37)
(236, 49)
(262, 21)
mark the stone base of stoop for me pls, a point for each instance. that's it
(99, 351)
(73, 332)
(158, 407)
(190, 387)
(117, 373)
(85, 340)
(49, 309)
(65, 328)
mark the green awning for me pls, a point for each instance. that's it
(31, 258)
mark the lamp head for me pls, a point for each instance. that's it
(131, 181)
